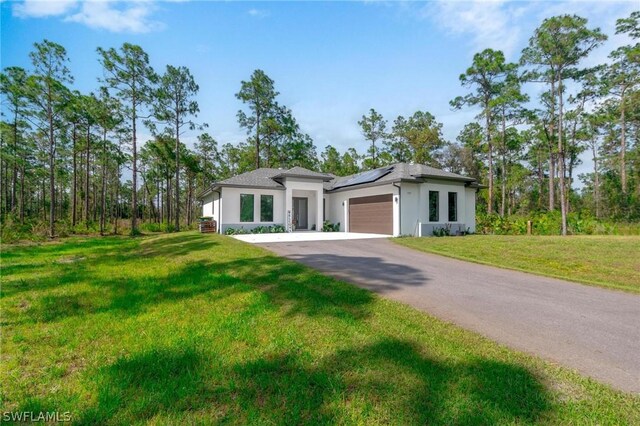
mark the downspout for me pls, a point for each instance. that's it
(399, 208)
(219, 211)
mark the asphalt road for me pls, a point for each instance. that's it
(593, 330)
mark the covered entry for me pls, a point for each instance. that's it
(373, 214)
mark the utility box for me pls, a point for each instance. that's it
(208, 226)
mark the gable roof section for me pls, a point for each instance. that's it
(259, 178)
(301, 172)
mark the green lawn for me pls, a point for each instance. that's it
(190, 328)
(605, 261)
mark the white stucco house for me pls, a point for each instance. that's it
(401, 199)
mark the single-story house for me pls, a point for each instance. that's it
(400, 199)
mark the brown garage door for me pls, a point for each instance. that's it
(371, 214)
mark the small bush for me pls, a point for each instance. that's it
(327, 226)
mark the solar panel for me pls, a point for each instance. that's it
(366, 177)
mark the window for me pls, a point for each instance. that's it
(434, 206)
(453, 207)
(246, 207)
(266, 208)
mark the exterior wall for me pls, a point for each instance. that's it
(207, 206)
(337, 205)
(312, 206)
(465, 214)
(410, 200)
(310, 188)
(470, 210)
(211, 207)
(231, 207)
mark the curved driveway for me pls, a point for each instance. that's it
(593, 330)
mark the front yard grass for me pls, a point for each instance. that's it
(605, 261)
(199, 329)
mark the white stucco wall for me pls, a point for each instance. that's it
(465, 200)
(410, 208)
(312, 189)
(470, 208)
(231, 207)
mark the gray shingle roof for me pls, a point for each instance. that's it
(403, 171)
(305, 173)
(262, 177)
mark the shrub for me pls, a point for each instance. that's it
(327, 226)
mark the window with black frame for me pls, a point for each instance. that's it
(453, 207)
(246, 207)
(266, 208)
(434, 206)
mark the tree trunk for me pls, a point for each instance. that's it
(596, 179)
(134, 194)
(561, 161)
(15, 162)
(490, 148)
(104, 181)
(86, 179)
(177, 212)
(22, 192)
(257, 140)
(503, 184)
(52, 183)
(74, 197)
(623, 147)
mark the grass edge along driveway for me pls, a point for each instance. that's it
(191, 328)
(603, 261)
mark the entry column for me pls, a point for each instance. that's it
(319, 209)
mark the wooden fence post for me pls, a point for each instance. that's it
(529, 226)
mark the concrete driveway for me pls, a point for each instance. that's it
(593, 330)
(305, 236)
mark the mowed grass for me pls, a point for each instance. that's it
(605, 261)
(203, 329)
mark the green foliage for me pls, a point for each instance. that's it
(549, 223)
(327, 226)
(444, 231)
(261, 229)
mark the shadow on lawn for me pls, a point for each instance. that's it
(387, 381)
(297, 288)
(80, 260)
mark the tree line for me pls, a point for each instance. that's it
(73, 161)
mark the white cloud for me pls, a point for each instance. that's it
(114, 16)
(489, 24)
(131, 17)
(43, 9)
(258, 13)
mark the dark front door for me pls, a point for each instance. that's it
(300, 212)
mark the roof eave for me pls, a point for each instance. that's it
(363, 185)
(293, 175)
(451, 178)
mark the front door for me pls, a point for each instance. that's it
(300, 212)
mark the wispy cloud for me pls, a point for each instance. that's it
(113, 16)
(43, 9)
(486, 24)
(258, 13)
(131, 18)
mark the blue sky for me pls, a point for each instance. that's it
(331, 62)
